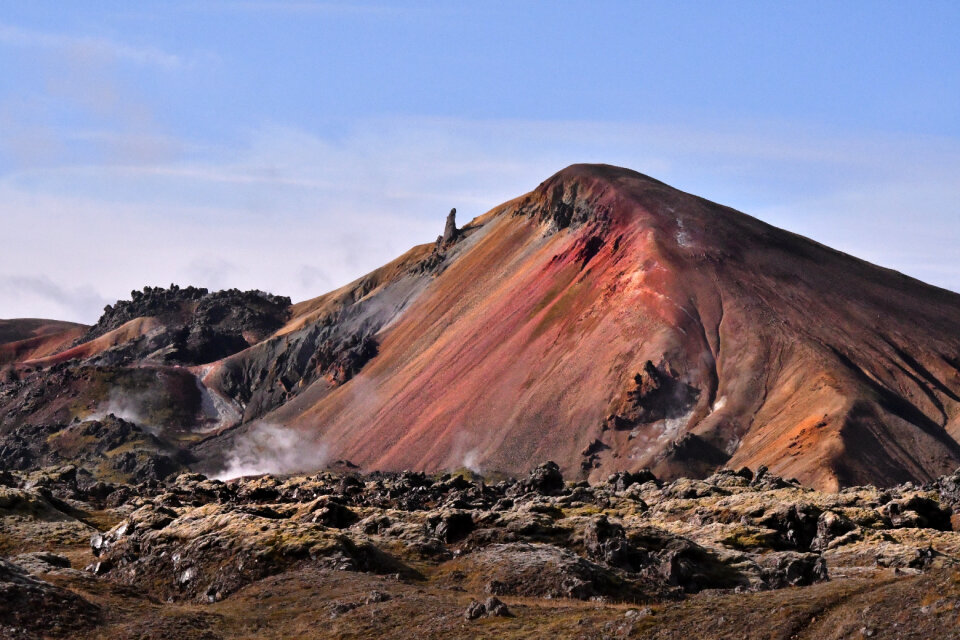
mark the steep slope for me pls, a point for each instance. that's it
(609, 321)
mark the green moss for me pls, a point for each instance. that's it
(54, 436)
(745, 538)
(586, 510)
(165, 397)
(464, 473)
(69, 443)
(130, 445)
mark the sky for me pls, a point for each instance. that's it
(292, 146)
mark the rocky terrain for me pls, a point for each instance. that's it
(740, 554)
(197, 326)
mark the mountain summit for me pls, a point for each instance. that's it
(604, 320)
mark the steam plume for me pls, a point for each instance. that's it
(272, 448)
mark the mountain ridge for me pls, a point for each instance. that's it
(611, 322)
(556, 204)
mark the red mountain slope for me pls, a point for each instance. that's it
(608, 321)
(604, 320)
(27, 338)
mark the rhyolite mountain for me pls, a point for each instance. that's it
(604, 320)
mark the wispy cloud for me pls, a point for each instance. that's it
(341, 8)
(81, 103)
(15, 36)
(46, 298)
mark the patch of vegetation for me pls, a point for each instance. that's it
(747, 538)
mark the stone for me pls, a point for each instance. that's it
(545, 479)
(792, 569)
(622, 480)
(377, 596)
(38, 562)
(797, 523)
(450, 231)
(830, 526)
(38, 609)
(606, 542)
(495, 607)
(475, 609)
(455, 526)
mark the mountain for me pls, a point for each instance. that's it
(604, 320)
(30, 338)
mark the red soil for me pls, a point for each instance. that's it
(28, 338)
(820, 365)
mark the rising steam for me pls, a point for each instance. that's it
(126, 406)
(272, 448)
(471, 461)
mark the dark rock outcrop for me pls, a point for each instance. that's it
(197, 326)
(450, 232)
(455, 526)
(563, 204)
(789, 569)
(282, 367)
(104, 447)
(656, 394)
(623, 480)
(190, 540)
(545, 479)
(492, 606)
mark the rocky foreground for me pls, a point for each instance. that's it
(338, 554)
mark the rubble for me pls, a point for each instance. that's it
(632, 539)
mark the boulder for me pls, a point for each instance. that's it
(547, 571)
(545, 479)
(830, 526)
(606, 542)
(454, 526)
(327, 511)
(475, 609)
(622, 480)
(792, 569)
(917, 511)
(797, 523)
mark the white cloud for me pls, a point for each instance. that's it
(15, 36)
(81, 79)
(46, 299)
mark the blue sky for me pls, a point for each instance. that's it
(293, 146)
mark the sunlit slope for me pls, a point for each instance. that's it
(533, 340)
(27, 338)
